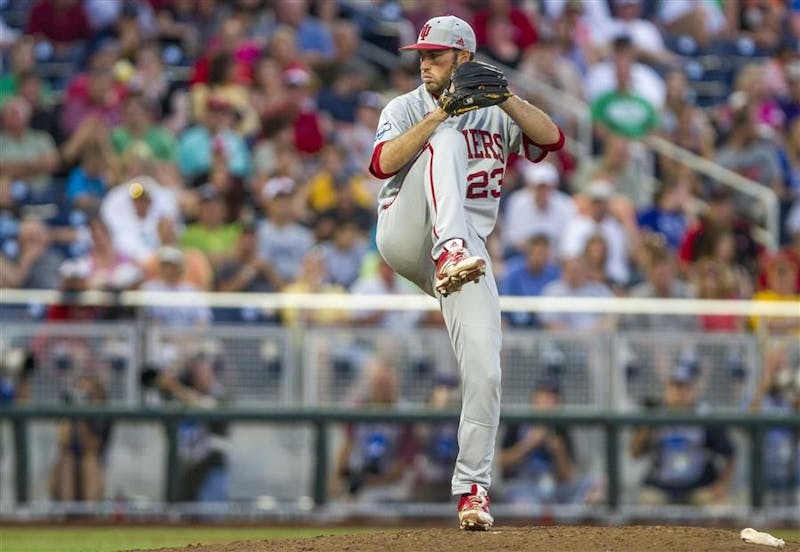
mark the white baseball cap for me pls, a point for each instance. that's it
(600, 189)
(443, 33)
(540, 173)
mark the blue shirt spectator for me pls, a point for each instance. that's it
(529, 277)
(666, 216)
(80, 183)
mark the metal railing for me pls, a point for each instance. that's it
(755, 427)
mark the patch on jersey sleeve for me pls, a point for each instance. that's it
(385, 127)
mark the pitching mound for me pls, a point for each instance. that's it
(585, 539)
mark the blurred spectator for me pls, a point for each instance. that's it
(109, 269)
(668, 216)
(345, 60)
(538, 462)
(340, 99)
(313, 278)
(438, 444)
(171, 279)
(313, 37)
(202, 446)
(384, 282)
(78, 473)
(138, 129)
(246, 270)
(43, 116)
(529, 277)
(209, 233)
(778, 393)
(374, 460)
(688, 464)
(132, 212)
(21, 61)
(598, 219)
(282, 240)
(683, 122)
(595, 258)
(549, 63)
(26, 155)
(720, 216)
(184, 26)
(357, 139)
(713, 280)
(334, 174)
(32, 263)
(88, 182)
(538, 208)
(789, 158)
(701, 22)
(623, 74)
(790, 104)
(62, 23)
(781, 272)
(502, 16)
(95, 97)
(197, 270)
(574, 283)
(307, 125)
(215, 137)
(645, 35)
(746, 153)
(662, 282)
(759, 22)
(617, 165)
(344, 253)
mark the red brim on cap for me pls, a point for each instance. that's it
(426, 47)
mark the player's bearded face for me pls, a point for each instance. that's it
(436, 68)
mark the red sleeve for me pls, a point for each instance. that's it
(374, 164)
(526, 32)
(536, 152)
(35, 25)
(686, 249)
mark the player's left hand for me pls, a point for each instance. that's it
(474, 85)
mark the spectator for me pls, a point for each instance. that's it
(334, 175)
(171, 279)
(198, 145)
(538, 208)
(662, 282)
(282, 240)
(683, 122)
(62, 23)
(617, 165)
(438, 444)
(95, 97)
(87, 183)
(781, 286)
(307, 125)
(517, 23)
(574, 283)
(538, 462)
(313, 37)
(712, 280)
(312, 278)
(374, 459)
(210, 234)
(645, 35)
(501, 46)
(21, 61)
(202, 446)
(598, 219)
(702, 22)
(138, 129)
(595, 257)
(78, 473)
(132, 212)
(548, 63)
(529, 278)
(344, 253)
(689, 464)
(33, 263)
(720, 216)
(246, 270)
(197, 270)
(790, 104)
(669, 215)
(26, 155)
(789, 158)
(357, 140)
(384, 282)
(777, 394)
(109, 269)
(43, 117)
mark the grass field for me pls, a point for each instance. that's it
(114, 539)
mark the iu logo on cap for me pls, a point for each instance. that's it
(423, 32)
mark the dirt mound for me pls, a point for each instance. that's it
(585, 539)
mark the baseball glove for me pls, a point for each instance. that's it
(474, 85)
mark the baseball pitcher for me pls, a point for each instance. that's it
(442, 150)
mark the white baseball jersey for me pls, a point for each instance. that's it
(490, 136)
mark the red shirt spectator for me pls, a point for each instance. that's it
(525, 34)
(61, 21)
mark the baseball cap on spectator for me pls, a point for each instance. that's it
(447, 379)
(548, 384)
(278, 185)
(76, 269)
(540, 173)
(599, 189)
(170, 255)
(138, 189)
(444, 33)
(296, 76)
(370, 99)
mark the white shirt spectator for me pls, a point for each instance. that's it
(644, 35)
(384, 282)
(574, 320)
(135, 235)
(284, 247)
(645, 82)
(524, 217)
(175, 315)
(674, 9)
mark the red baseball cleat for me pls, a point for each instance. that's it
(473, 510)
(456, 267)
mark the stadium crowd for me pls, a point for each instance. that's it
(181, 145)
